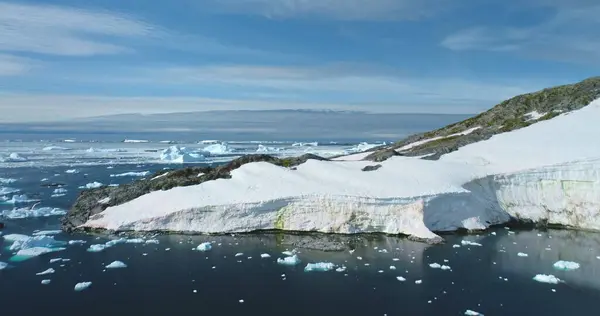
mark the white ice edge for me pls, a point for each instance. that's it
(549, 171)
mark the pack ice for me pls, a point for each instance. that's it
(549, 171)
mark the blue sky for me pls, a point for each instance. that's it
(75, 58)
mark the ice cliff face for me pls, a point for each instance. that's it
(547, 173)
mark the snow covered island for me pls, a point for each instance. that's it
(533, 158)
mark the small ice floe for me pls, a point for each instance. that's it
(20, 199)
(205, 246)
(543, 278)
(135, 241)
(241, 301)
(55, 260)
(418, 281)
(472, 313)
(59, 191)
(265, 255)
(5, 190)
(77, 242)
(395, 259)
(57, 195)
(45, 282)
(455, 246)
(445, 267)
(97, 247)
(131, 174)
(239, 254)
(116, 265)
(3, 265)
(91, 185)
(7, 180)
(152, 241)
(289, 261)
(522, 254)
(401, 279)
(319, 266)
(82, 286)
(470, 243)
(340, 269)
(493, 233)
(46, 232)
(45, 272)
(289, 253)
(72, 171)
(359, 258)
(435, 265)
(30, 212)
(566, 265)
(392, 268)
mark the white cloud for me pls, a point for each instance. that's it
(572, 34)
(335, 9)
(65, 31)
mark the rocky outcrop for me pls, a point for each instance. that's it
(93, 201)
(507, 116)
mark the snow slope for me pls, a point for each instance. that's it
(548, 171)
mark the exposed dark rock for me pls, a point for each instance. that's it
(504, 117)
(87, 204)
(371, 168)
(381, 155)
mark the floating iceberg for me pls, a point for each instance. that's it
(13, 157)
(264, 149)
(92, 185)
(116, 265)
(131, 174)
(72, 171)
(319, 266)
(7, 181)
(82, 286)
(45, 272)
(20, 199)
(205, 246)
(54, 148)
(7, 190)
(543, 278)
(28, 212)
(47, 232)
(59, 191)
(217, 149)
(135, 141)
(45, 282)
(106, 150)
(176, 154)
(265, 255)
(472, 313)
(566, 265)
(289, 261)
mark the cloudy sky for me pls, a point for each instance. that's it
(61, 59)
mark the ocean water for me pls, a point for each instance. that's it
(172, 278)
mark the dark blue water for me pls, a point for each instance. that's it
(491, 279)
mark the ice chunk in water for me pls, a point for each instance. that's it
(45, 282)
(7, 190)
(47, 271)
(25, 254)
(401, 279)
(522, 254)
(435, 265)
(15, 237)
(177, 154)
(265, 255)
(71, 171)
(82, 286)
(116, 265)
(20, 199)
(91, 185)
(59, 191)
(27, 212)
(7, 180)
(566, 265)
(205, 246)
(47, 232)
(239, 254)
(131, 174)
(469, 243)
(77, 242)
(97, 247)
(135, 241)
(289, 261)
(340, 269)
(472, 313)
(3, 265)
(55, 260)
(13, 157)
(543, 278)
(319, 266)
